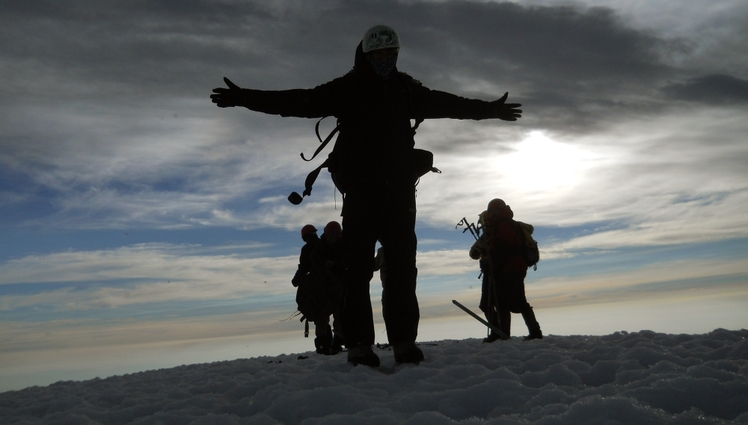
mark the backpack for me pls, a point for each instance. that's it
(530, 250)
(421, 160)
(305, 300)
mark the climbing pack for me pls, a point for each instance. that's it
(530, 251)
(422, 162)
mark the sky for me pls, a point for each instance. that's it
(143, 227)
(639, 378)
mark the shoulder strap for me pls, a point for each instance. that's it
(294, 197)
(323, 143)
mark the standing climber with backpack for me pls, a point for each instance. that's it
(302, 281)
(376, 167)
(509, 258)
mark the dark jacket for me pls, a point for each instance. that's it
(374, 116)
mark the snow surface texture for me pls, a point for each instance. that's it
(624, 378)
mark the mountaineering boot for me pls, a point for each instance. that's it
(364, 355)
(407, 352)
(532, 324)
(322, 343)
(493, 336)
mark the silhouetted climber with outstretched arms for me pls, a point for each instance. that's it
(376, 167)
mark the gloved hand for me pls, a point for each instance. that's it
(506, 111)
(229, 97)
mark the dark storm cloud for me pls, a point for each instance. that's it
(131, 44)
(711, 89)
(146, 44)
(571, 66)
(560, 42)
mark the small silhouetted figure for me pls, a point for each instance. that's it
(506, 242)
(376, 167)
(329, 288)
(302, 278)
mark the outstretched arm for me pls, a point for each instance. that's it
(506, 111)
(230, 97)
(439, 104)
(305, 103)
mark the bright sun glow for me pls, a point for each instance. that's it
(540, 164)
